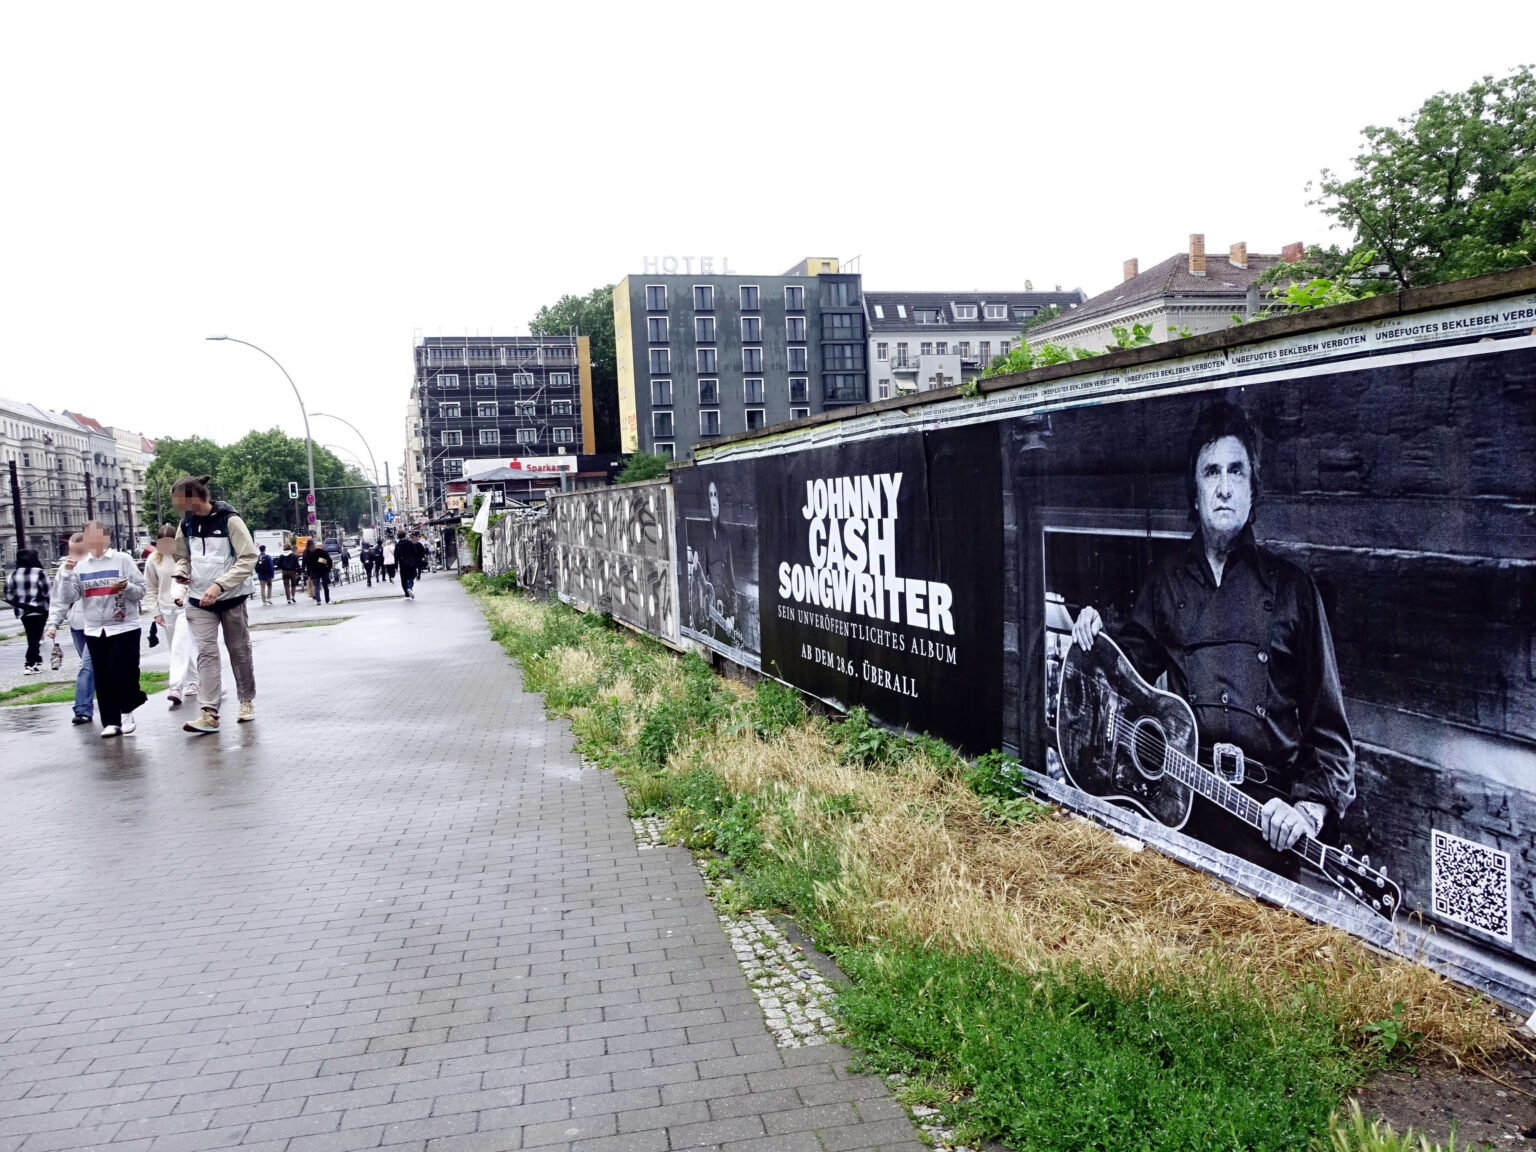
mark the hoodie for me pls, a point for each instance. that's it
(216, 549)
(105, 612)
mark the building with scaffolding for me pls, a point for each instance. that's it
(475, 397)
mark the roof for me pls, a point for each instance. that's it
(93, 425)
(31, 412)
(892, 304)
(1223, 280)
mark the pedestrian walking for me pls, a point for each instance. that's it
(346, 565)
(72, 616)
(389, 554)
(167, 599)
(317, 566)
(411, 556)
(288, 565)
(108, 585)
(365, 552)
(264, 570)
(28, 592)
(215, 557)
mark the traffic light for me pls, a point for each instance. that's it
(293, 489)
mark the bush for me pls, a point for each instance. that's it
(776, 708)
(996, 774)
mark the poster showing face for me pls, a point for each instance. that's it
(717, 545)
(882, 572)
(1293, 622)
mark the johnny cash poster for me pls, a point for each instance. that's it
(881, 579)
(717, 547)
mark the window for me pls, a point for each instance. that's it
(709, 360)
(752, 391)
(527, 435)
(559, 407)
(964, 311)
(901, 311)
(656, 297)
(794, 298)
(452, 438)
(963, 349)
(751, 359)
(755, 419)
(561, 435)
(657, 329)
(485, 379)
(842, 356)
(984, 350)
(879, 312)
(927, 315)
(997, 312)
(522, 379)
(704, 329)
(661, 361)
(794, 328)
(703, 297)
(665, 451)
(486, 409)
(843, 388)
(839, 294)
(453, 467)
(842, 326)
(709, 423)
(490, 436)
(709, 391)
(882, 351)
(752, 329)
(661, 424)
(1023, 313)
(883, 390)
(448, 410)
(1004, 347)
(523, 407)
(559, 379)
(901, 354)
(749, 297)
(942, 348)
(799, 392)
(661, 391)
(925, 348)
(447, 379)
(798, 359)
(799, 413)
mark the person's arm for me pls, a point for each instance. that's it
(152, 590)
(68, 591)
(182, 551)
(244, 563)
(134, 592)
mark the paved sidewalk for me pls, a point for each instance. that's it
(394, 912)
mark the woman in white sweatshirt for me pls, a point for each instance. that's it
(109, 586)
(167, 601)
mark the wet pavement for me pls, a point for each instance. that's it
(395, 912)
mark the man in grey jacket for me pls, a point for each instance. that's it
(215, 557)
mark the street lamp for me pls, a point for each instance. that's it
(309, 444)
(372, 492)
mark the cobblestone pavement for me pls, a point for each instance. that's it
(394, 912)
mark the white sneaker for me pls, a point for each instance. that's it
(111, 730)
(128, 726)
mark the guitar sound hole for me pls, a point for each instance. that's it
(1149, 748)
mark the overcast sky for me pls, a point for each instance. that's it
(328, 179)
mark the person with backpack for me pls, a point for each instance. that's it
(317, 566)
(215, 557)
(109, 587)
(288, 565)
(28, 591)
(264, 571)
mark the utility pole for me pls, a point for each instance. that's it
(389, 504)
(128, 503)
(90, 499)
(21, 532)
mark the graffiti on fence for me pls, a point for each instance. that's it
(612, 550)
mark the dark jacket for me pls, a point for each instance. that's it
(287, 562)
(1254, 658)
(317, 563)
(410, 554)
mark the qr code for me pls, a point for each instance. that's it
(1471, 884)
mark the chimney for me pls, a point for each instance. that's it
(1132, 266)
(1292, 253)
(1197, 254)
(1239, 254)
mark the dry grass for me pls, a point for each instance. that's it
(922, 862)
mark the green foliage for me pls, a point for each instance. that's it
(1340, 281)
(642, 466)
(1355, 1134)
(1392, 1036)
(591, 316)
(1044, 316)
(995, 774)
(775, 709)
(704, 702)
(1137, 336)
(1061, 1061)
(1449, 192)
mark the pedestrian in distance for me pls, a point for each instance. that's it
(110, 587)
(317, 566)
(390, 554)
(411, 557)
(73, 617)
(288, 565)
(264, 571)
(365, 552)
(346, 565)
(167, 599)
(28, 592)
(215, 557)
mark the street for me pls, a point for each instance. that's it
(395, 911)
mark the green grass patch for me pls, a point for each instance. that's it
(58, 692)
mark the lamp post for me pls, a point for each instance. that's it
(372, 493)
(309, 444)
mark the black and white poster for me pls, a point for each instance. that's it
(717, 546)
(1293, 621)
(881, 565)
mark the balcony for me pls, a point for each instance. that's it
(904, 364)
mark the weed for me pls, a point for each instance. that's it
(1392, 1036)
(1354, 1134)
(996, 774)
(775, 708)
(1015, 809)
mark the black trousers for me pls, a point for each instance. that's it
(116, 661)
(322, 585)
(33, 624)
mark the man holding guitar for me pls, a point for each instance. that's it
(1242, 636)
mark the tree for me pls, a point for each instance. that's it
(591, 316)
(642, 466)
(1451, 191)
(174, 458)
